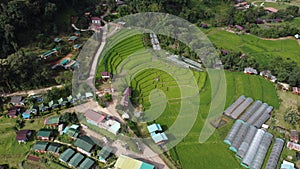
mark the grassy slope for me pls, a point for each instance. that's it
(11, 152)
(262, 50)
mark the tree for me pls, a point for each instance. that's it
(108, 97)
(291, 116)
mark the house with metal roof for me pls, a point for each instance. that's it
(159, 138)
(53, 148)
(52, 121)
(294, 136)
(84, 145)
(250, 70)
(125, 162)
(88, 95)
(17, 100)
(62, 102)
(71, 132)
(287, 165)
(154, 127)
(87, 163)
(40, 147)
(104, 153)
(73, 38)
(23, 135)
(26, 114)
(13, 112)
(57, 40)
(293, 146)
(94, 117)
(44, 134)
(75, 160)
(66, 155)
(114, 126)
(70, 99)
(105, 75)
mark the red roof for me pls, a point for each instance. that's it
(23, 135)
(296, 90)
(12, 112)
(33, 158)
(270, 9)
(94, 116)
(105, 74)
(96, 18)
(127, 92)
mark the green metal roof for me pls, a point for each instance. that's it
(51, 103)
(73, 132)
(44, 133)
(86, 164)
(40, 146)
(66, 155)
(76, 159)
(54, 147)
(105, 152)
(85, 143)
(72, 38)
(57, 39)
(52, 120)
(60, 100)
(69, 98)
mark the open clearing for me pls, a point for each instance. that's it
(262, 50)
(11, 152)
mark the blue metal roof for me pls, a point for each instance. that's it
(154, 127)
(159, 137)
(146, 166)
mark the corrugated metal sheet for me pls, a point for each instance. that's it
(246, 142)
(242, 107)
(275, 154)
(233, 131)
(262, 151)
(251, 110)
(231, 108)
(247, 160)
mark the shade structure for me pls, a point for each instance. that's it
(233, 131)
(257, 114)
(247, 160)
(239, 137)
(262, 151)
(263, 118)
(251, 110)
(275, 154)
(246, 142)
(241, 108)
(231, 108)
